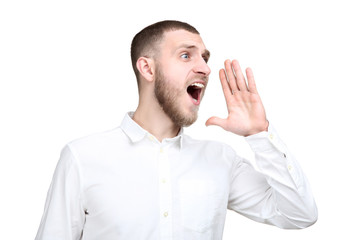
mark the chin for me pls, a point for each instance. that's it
(183, 119)
(190, 119)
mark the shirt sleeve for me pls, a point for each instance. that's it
(63, 217)
(278, 193)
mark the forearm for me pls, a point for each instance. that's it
(293, 201)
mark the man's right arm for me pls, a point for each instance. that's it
(64, 216)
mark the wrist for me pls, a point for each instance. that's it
(263, 128)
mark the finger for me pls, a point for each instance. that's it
(216, 121)
(251, 80)
(225, 85)
(240, 79)
(231, 76)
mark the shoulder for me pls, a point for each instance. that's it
(96, 141)
(214, 147)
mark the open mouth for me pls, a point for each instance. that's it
(194, 91)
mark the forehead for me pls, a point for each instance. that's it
(174, 40)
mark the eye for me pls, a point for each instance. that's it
(206, 59)
(185, 56)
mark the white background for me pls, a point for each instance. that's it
(65, 73)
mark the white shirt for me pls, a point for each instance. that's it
(124, 184)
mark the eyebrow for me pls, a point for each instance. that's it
(205, 54)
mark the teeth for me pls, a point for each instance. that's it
(199, 85)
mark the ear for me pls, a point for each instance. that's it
(146, 68)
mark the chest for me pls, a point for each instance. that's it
(156, 187)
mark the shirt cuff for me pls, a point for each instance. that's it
(266, 141)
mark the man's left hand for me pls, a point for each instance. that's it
(246, 113)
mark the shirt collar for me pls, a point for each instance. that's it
(136, 133)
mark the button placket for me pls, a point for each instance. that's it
(165, 195)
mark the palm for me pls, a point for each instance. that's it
(246, 113)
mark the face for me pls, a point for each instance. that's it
(181, 75)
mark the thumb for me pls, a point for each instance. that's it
(216, 121)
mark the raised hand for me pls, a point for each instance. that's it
(246, 111)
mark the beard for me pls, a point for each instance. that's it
(168, 96)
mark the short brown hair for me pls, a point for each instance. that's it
(145, 42)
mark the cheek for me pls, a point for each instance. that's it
(176, 70)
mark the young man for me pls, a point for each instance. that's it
(148, 180)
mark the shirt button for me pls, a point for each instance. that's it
(290, 167)
(161, 150)
(163, 180)
(271, 136)
(166, 214)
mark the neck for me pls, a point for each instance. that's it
(150, 116)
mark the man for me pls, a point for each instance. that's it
(148, 180)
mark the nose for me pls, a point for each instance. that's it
(202, 68)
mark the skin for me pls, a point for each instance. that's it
(182, 61)
(246, 113)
